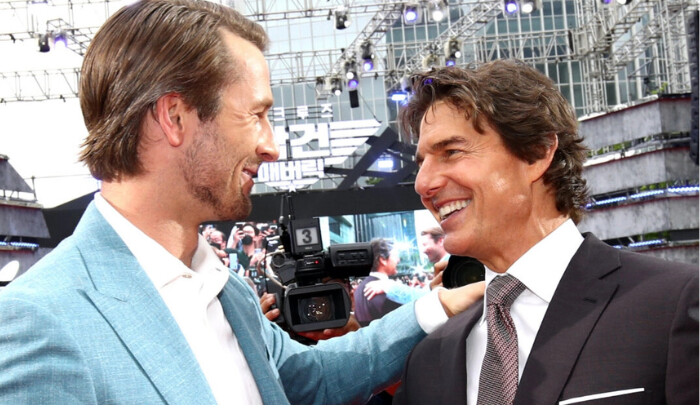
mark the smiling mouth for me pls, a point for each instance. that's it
(446, 210)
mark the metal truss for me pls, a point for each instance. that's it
(646, 38)
(649, 33)
(39, 85)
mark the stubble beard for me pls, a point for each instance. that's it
(223, 196)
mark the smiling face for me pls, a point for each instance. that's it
(433, 250)
(479, 192)
(390, 264)
(220, 164)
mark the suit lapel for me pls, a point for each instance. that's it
(577, 304)
(453, 355)
(250, 340)
(127, 299)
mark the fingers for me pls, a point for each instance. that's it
(324, 334)
(457, 300)
(266, 302)
(273, 314)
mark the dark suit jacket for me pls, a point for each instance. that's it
(369, 310)
(618, 320)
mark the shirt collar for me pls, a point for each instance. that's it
(160, 265)
(540, 268)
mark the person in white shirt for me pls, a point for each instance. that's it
(431, 244)
(500, 167)
(135, 307)
(384, 266)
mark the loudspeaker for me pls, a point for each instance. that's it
(354, 100)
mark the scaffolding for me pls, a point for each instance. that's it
(623, 52)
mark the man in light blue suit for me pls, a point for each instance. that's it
(134, 307)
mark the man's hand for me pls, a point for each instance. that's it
(457, 300)
(324, 334)
(377, 287)
(266, 302)
(438, 268)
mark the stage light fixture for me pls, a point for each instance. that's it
(510, 7)
(351, 75)
(336, 86)
(342, 21)
(529, 6)
(624, 2)
(60, 40)
(44, 43)
(606, 1)
(398, 96)
(411, 13)
(367, 56)
(430, 61)
(438, 10)
(453, 51)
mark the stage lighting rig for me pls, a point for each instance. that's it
(453, 51)
(336, 86)
(510, 7)
(342, 20)
(60, 39)
(411, 13)
(351, 75)
(529, 6)
(430, 61)
(438, 10)
(367, 55)
(44, 43)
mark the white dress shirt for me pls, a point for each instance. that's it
(540, 269)
(191, 296)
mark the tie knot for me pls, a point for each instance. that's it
(503, 290)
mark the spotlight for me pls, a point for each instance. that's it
(624, 2)
(453, 51)
(44, 45)
(411, 13)
(385, 163)
(336, 86)
(351, 75)
(438, 10)
(398, 96)
(528, 6)
(342, 21)
(510, 7)
(60, 40)
(606, 1)
(430, 61)
(367, 56)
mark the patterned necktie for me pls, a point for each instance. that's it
(499, 372)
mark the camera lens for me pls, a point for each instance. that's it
(316, 309)
(462, 270)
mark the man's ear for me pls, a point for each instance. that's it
(538, 168)
(173, 116)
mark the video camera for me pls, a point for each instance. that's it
(461, 271)
(302, 265)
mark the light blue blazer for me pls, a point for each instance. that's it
(86, 325)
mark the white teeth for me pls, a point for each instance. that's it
(452, 207)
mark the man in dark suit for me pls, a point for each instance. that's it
(386, 259)
(500, 168)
